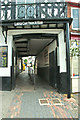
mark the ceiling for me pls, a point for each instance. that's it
(32, 44)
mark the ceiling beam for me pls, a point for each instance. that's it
(36, 28)
(45, 21)
(21, 47)
(21, 42)
(47, 45)
(34, 35)
(22, 50)
(27, 55)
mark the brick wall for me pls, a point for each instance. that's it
(69, 15)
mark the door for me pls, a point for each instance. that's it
(53, 68)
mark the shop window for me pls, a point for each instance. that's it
(3, 56)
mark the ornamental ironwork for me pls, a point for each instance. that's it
(12, 11)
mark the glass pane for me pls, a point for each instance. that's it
(60, 0)
(52, 0)
(39, 1)
(20, 1)
(76, 23)
(30, 9)
(21, 9)
(75, 13)
(29, 1)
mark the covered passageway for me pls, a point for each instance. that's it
(44, 35)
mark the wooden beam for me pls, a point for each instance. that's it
(27, 55)
(22, 50)
(22, 47)
(34, 35)
(21, 42)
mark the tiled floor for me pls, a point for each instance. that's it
(25, 102)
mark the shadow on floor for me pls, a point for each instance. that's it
(25, 83)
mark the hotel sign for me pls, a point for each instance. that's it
(28, 23)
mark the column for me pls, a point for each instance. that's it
(68, 60)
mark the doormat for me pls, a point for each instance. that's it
(55, 101)
(43, 102)
(52, 101)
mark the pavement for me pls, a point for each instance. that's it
(24, 101)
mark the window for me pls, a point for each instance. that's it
(25, 11)
(25, 1)
(75, 16)
(39, 1)
(49, 1)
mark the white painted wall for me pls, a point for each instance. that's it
(2, 40)
(75, 84)
(75, 68)
(62, 52)
(40, 57)
(9, 41)
(52, 46)
(51, 31)
(58, 57)
(6, 71)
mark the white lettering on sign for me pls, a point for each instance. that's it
(28, 23)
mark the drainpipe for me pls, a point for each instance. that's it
(68, 60)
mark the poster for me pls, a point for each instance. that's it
(3, 56)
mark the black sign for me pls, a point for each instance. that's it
(3, 56)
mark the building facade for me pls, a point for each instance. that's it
(35, 29)
(74, 12)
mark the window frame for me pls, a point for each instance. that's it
(72, 8)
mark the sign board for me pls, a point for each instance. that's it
(28, 23)
(3, 56)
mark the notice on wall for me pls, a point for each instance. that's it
(3, 56)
